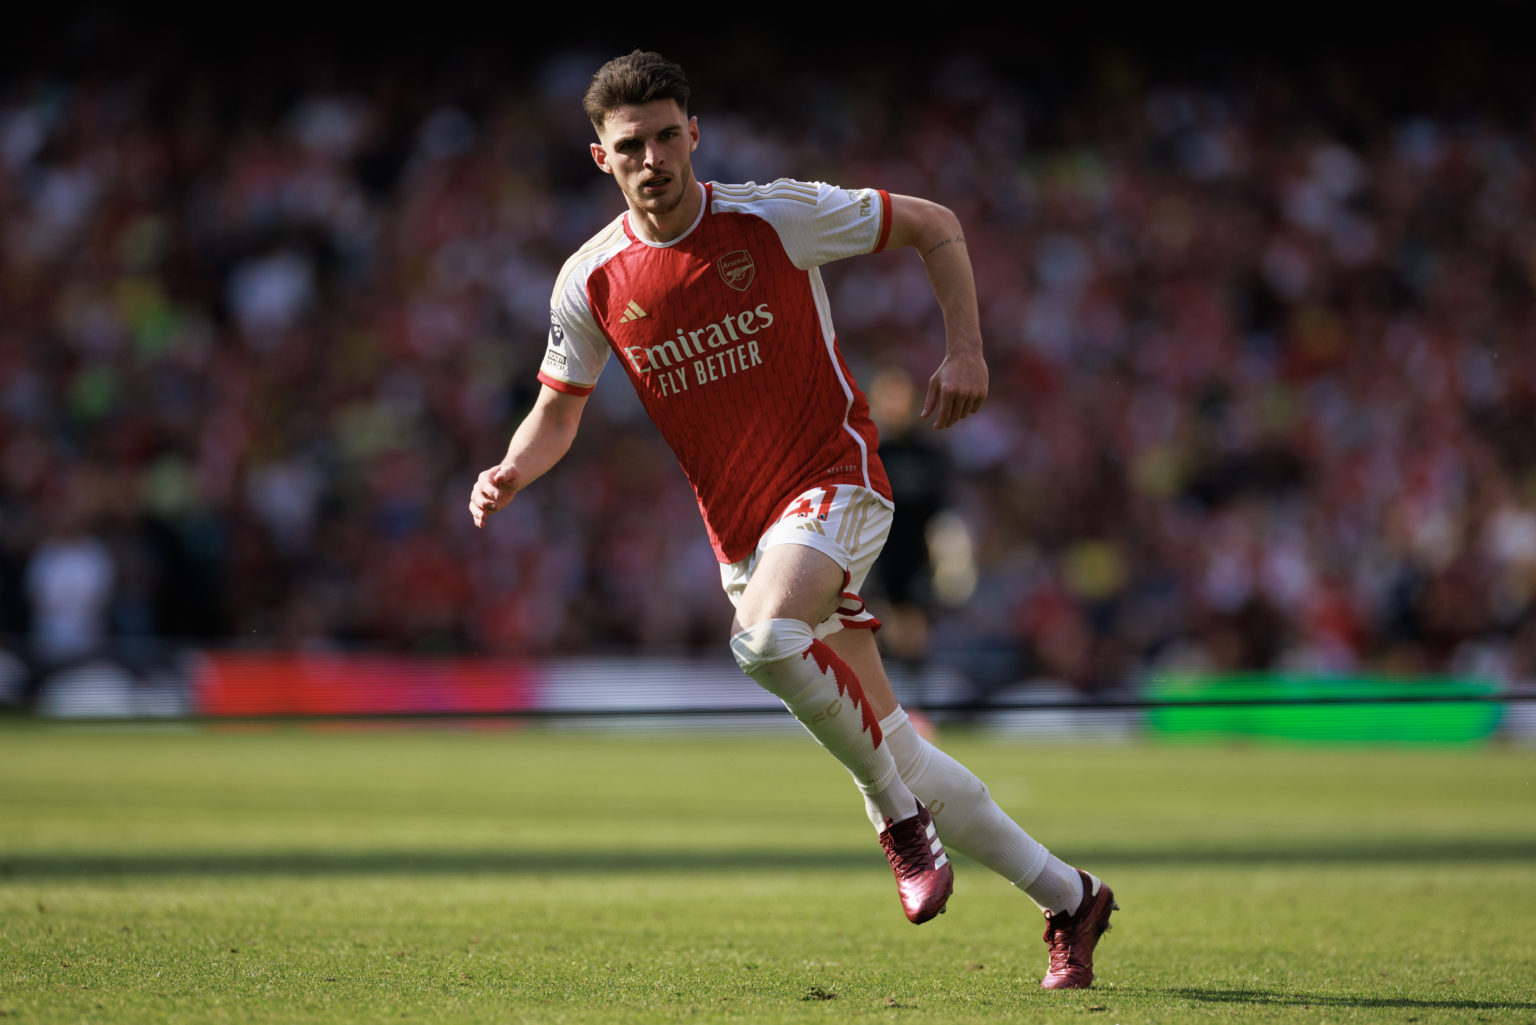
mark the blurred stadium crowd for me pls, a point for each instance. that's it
(1263, 349)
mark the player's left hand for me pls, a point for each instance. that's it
(956, 390)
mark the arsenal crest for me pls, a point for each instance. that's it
(737, 269)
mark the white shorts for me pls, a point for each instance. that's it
(845, 522)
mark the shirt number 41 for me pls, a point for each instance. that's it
(804, 508)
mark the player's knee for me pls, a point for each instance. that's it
(770, 641)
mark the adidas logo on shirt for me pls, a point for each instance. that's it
(632, 312)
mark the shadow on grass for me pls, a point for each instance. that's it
(1292, 999)
(592, 860)
(1385, 850)
(427, 862)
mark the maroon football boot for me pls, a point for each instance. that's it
(924, 877)
(1073, 937)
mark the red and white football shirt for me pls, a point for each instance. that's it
(727, 336)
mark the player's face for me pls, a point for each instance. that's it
(648, 150)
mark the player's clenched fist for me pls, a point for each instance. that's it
(493, 490)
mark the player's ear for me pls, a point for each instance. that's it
(693, 133)
(600, 157)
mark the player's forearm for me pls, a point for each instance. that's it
(959, 386)
(542, 439)
(935, 232)
(954, 285)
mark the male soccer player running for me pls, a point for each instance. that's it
(710, 297)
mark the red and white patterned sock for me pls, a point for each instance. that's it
(784, 657)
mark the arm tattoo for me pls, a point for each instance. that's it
(940, 245)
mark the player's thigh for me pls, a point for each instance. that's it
(790, 581)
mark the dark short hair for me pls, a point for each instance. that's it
(635, 78)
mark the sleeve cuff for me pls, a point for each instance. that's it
(885, 221)
(564, 386)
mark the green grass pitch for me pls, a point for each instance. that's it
(186, 875)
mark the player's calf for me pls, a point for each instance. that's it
(822, 691)
(784, 657)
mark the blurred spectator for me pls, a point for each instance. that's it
(70, 578)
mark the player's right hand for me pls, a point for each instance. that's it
(493, 490)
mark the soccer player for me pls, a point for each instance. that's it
(710, 298)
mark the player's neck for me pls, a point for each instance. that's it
(667, 227)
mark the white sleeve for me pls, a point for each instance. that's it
(817, 222)
(576, 351)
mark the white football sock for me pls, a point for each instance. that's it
(971, 822)
(784, 657)
(1057, 888)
